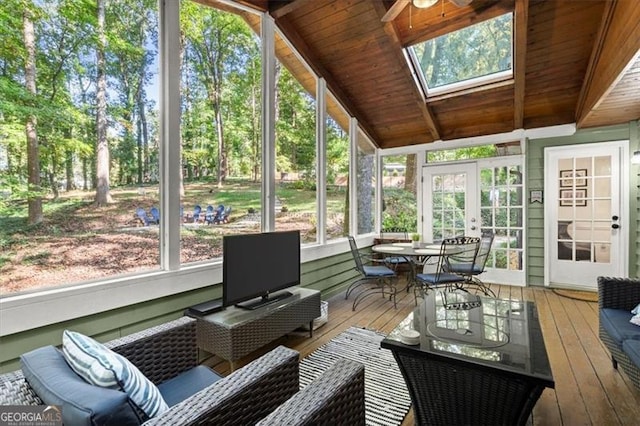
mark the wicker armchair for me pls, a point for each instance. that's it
(244, 397)
(619, 294)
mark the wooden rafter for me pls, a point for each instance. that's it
(390, 30)
(395, 10)
(311, 59)
(520, 46)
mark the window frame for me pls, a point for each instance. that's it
(42, 307)
(458, 86)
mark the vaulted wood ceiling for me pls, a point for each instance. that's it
(575, 61)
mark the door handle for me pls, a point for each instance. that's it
(615, 226)
(614, 217)
(473, 228)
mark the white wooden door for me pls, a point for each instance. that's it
(585, 226)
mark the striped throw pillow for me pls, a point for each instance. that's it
(100, 366)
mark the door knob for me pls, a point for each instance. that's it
(473, 228)
(614, 217)
(615, 226)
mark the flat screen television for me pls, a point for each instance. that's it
(258, 265)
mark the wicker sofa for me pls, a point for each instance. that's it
(244, 397)
(616, 298)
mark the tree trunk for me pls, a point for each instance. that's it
(347, 209)
(255, 134)
(33, 157)
(139, 151)
(410, 174)
(103, 196)
(71, 182)
(365, 193)
(222, 156)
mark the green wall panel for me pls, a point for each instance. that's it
(535, 180)
(329, 275)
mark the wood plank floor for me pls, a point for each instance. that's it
(588, 390)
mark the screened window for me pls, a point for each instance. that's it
(475, 55)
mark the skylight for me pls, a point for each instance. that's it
(473, 56)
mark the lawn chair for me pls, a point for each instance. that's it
(209, 215)
(155, 216)
(224, 218)
(141, 214)
(197, 212)
(217, 217)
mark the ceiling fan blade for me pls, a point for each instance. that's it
(395, 10)
(461, 3)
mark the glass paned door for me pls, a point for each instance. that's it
(449, 194)
(451, 206)
(502, 213)
(583, 220)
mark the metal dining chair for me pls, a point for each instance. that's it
(470, 271)
(394, 261)
(379, 277)
(453, 252)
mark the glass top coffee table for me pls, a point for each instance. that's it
(471, 359)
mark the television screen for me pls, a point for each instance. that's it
(255, 265)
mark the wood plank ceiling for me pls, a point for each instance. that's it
(575, 61)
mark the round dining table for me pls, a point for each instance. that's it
(414, 255)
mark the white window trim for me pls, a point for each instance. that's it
(474, 82)
(43, 307)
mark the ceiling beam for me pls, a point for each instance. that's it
(278, 10)
(521, 18)
(615, 49)
(395, 10)
(421, 102)
(316, 65)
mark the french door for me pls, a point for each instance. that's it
(476, 197)
(585, 226)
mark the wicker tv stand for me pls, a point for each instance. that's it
(236, 332)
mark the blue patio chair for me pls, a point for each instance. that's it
(197, 212)
(155, 215)
(141, 214)
(380, 276)
(209, 214)
(217, 216)
(224, 217)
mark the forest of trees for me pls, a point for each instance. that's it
(79, 100)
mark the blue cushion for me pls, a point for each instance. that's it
(184, 385)
(465, 268)
(82, 403)
(395, 260)
(101, 366)
(616, 323)
(441, 278)
(378, 271)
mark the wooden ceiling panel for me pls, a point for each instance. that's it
(621, 105)
(362, 60)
